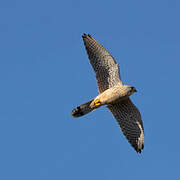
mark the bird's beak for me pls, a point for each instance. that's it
(135, 90)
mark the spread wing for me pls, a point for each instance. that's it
(129, 119)
(104, 65)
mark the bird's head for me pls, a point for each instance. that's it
(131, 90)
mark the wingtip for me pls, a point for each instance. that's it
(139, 150)
(86, 35)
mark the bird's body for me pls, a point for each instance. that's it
(113, 94)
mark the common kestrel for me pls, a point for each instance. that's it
(113, 93)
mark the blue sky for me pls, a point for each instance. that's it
(45, 73)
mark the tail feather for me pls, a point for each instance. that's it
(82, 109)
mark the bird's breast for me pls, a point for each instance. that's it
(112, 95)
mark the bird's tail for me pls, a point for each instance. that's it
(83, 109)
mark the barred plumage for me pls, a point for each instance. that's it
(104, 65)
(112, 93)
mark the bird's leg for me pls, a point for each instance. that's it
(97, 103)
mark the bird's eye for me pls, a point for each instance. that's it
(133, 89)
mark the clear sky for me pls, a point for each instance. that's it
(45, 73)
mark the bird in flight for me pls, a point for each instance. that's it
(112, 93)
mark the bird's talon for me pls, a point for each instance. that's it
(97, 102)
